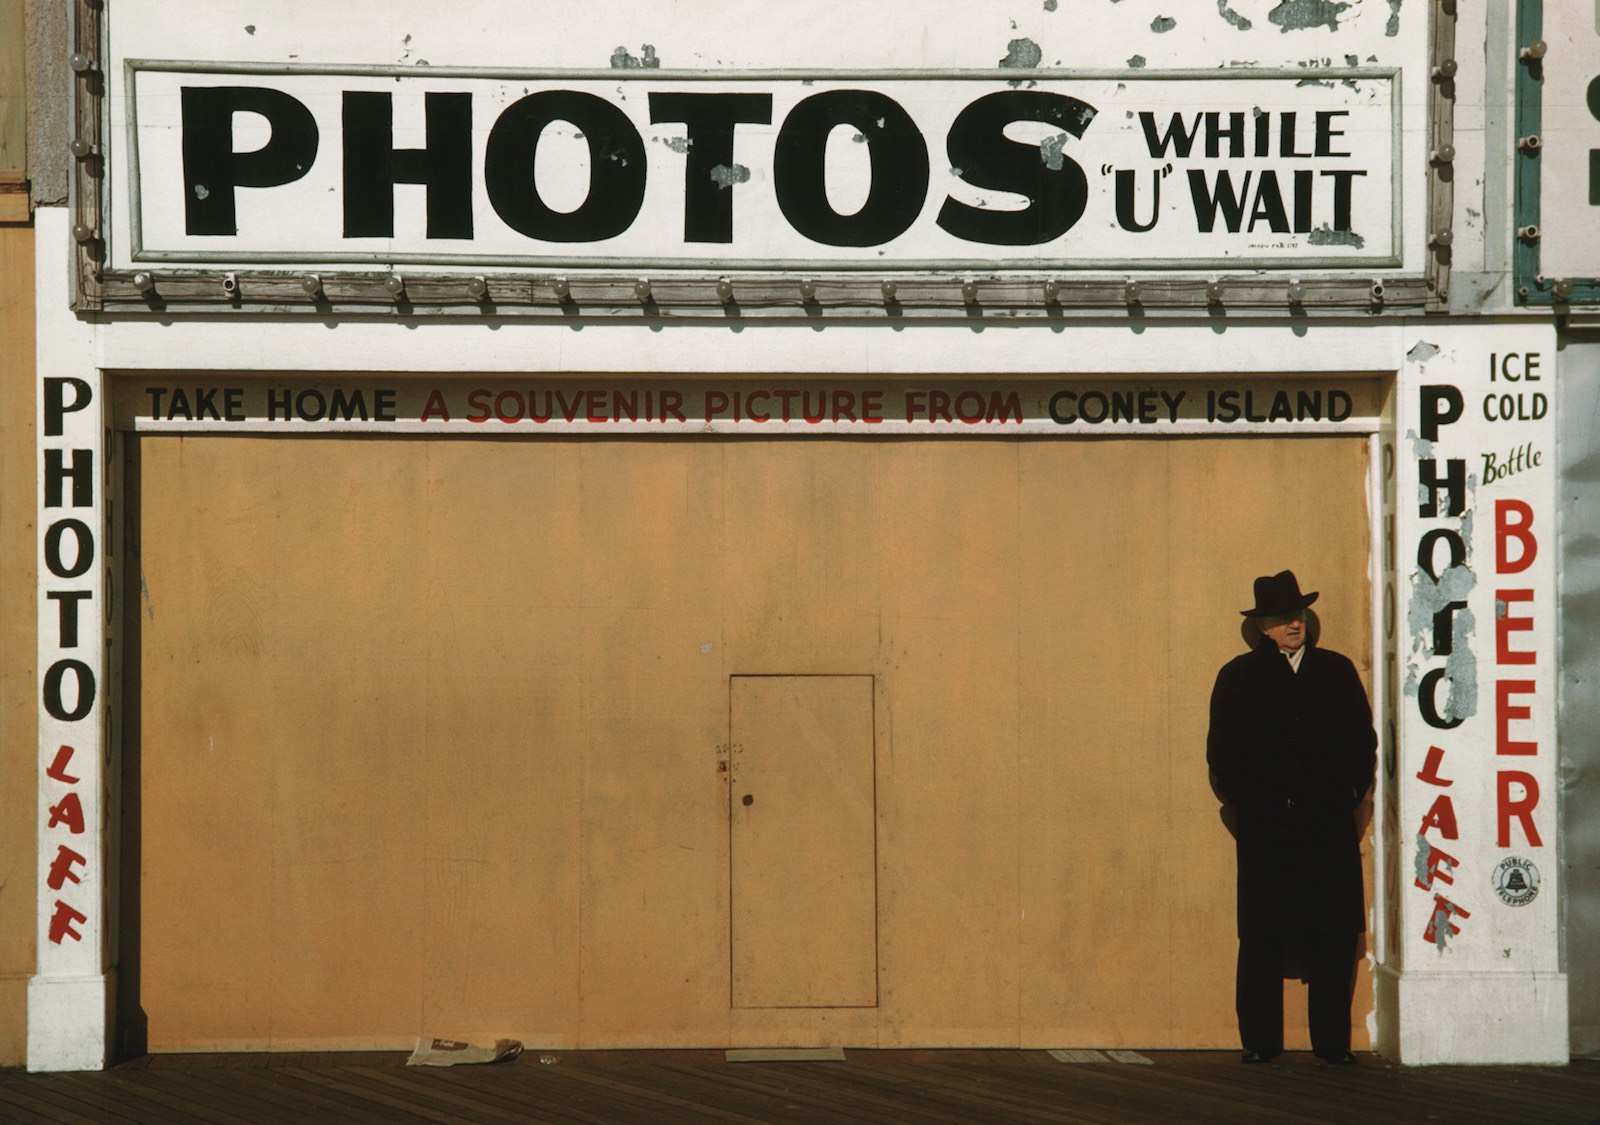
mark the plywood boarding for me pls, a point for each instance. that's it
(13, 99)
(434, 734)
(18, 641)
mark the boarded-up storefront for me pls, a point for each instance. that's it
(728, 540)
(688, 741)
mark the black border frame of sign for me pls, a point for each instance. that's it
(890, 294)
(1532, 287)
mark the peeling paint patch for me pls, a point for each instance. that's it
(1352, 60)
(1392, 28)
(1314, 82)
(1049, 5)
(1421, 352)
(1137, 63)
(679, 145)
(726, 175)
(1425, 876)
(622, 59)
(1022, 54)
(1243, 23)
(1301, 15)
(1439, 608)
(1442, 912)
(1163, 24)
(1325, 235)
(1050, 151)
(249, 29)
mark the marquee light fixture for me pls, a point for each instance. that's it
(144, 283)
(930, 293)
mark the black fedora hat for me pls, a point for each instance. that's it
(1278, 594)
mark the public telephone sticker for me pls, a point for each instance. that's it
(1516, 881)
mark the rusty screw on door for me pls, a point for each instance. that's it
(749, 800)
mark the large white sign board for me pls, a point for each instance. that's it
(693, 170)
(518, 136)
(1569, 157)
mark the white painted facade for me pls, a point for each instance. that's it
(1468, 961)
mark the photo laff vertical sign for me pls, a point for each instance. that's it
(1477, 830)
(70, 994)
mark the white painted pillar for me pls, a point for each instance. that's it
(1473, 971)
(71, 996)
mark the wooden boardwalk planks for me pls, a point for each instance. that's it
(600, 1087)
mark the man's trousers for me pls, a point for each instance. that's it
(1330, 963)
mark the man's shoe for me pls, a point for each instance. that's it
(1261, 1057)
(1344, 1059)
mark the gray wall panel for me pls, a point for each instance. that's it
(1579, 460)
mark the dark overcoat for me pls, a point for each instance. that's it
(1293, 753)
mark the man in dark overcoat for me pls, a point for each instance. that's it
(1292, 750)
